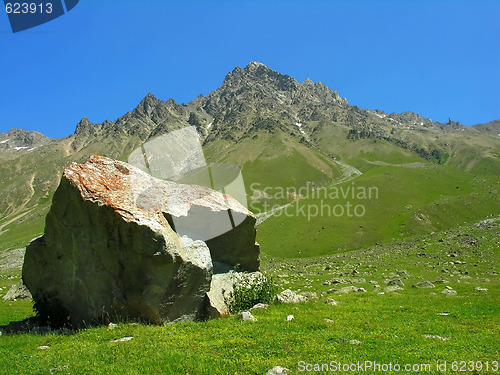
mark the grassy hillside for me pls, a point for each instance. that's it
(405, 200)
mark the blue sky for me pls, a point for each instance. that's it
(436, 58)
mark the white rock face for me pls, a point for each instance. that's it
(104, 254)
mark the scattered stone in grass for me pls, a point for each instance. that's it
(448, 291)
(347, 289)
(479, 289)
(397, 282)
(277, 370)
(355, 342)
(373, 282)
(358, 281)
(259, 306)
(17, 291)
(123, 339)
(287, 296)
(328, 320)
(331, 301)
(43, 347)
(246, 316)
(111, 326)
(289, 318)
(392, 289)
(380, 293)
(335, 281)
(403, 273)
(58, 369)
(436, 337)
(309, 295)
(423, 285)
(443, 314)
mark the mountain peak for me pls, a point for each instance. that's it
(257, 74)
(252, 65)
(83, 126)
(149, 97)
(146, 105)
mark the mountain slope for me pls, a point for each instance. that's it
(490, 128)
(284, 135)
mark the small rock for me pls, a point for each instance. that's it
(349, 289)
(436, 337)
(392, 288)
(328, 320)
(43, 347)
(111, 326)
(479, 289)
(259, 306)
(397, 282)
(449, 292)
(277, 370)
(358, 281)
(443, 314)
(123, 339)
(309, 295)
(403, 273)
(423, 285)
(355, 342)
(331, 301)
(247, 316)
(289, 318)
(18, 290)
(287, 296)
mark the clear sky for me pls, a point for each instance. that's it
(437, 58)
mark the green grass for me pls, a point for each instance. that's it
(390, 327)
(410, 201)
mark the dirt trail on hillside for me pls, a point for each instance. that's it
(348, 173)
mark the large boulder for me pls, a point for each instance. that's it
(111, 248)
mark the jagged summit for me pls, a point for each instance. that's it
(255, 65)
(147, 105)
(83, 126)
(256, 98)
